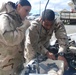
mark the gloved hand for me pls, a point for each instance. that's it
(50, 55)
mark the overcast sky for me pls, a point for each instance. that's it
(56, 5)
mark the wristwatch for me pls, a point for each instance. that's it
(61, 54)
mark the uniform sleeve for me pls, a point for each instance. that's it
(61, 36)
(8, 35)
(32, 43)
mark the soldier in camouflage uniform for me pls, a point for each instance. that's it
(12, 31)
(39, 35)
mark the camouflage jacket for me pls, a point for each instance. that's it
(38, 39)
(12, 31)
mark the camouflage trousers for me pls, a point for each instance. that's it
(8, 73)
(15, 71)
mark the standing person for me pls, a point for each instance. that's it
(12, 32)
(39, 35)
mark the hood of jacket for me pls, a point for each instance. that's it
(7, 8)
